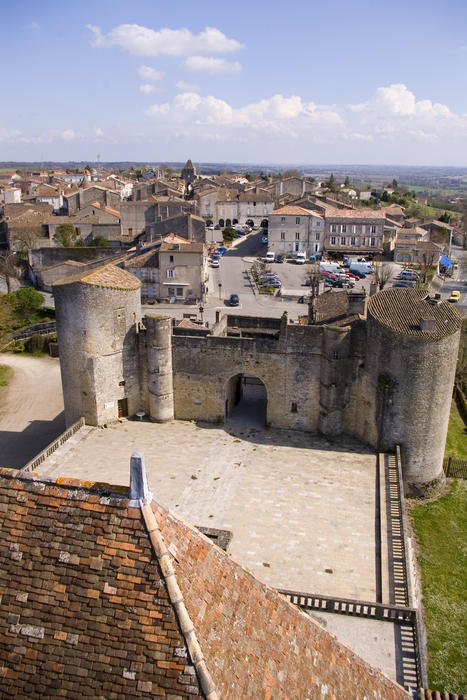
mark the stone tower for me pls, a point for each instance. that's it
(189, 173)
(158, 341)
(407, 380)
(98, 319)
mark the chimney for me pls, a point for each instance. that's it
(427, 325)
(357, 303)
(140, 494)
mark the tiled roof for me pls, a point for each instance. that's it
(114, 212)
(188, 247)
(293, 210)
(331, 306)
(88, 614)
(94, 594)
(148, 259)
(108, 276)
(363, 213)
(401, 311)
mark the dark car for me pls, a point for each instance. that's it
(404, 284)
(234, 300)
(280, 258)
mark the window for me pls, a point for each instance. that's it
(316, 247)
(171, 291)
(333, 240)
(294, 407)
(352, 240)
(373, 229)
(363, 229)
(130, 231)
(297, 235)
(171, 258)
(335, 356)
(282, 219)
(207, 203)
(179, 291)
(354, 229)
(171, 273)
(265, 210)
(318, 223)
(282, 235)
(344, 228)
(222, 211)
(297, 220)
(373, 242)
(317, 236)
(333, 228)
(342, 240)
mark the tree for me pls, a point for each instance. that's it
(66, 235)
(394, 184)
(100, 242)
(445, 218)
(8, 269)
(347, 181)
(383, 273)
(426, 265)
(25, 237)
(292, 172)
(229, 234)
(26, 301)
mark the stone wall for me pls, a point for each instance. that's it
(289, 655)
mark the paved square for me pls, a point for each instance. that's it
(302, 510)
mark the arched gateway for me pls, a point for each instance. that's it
(246, 399)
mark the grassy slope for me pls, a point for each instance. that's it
(5, 375)
(441, 529)
(456, 441)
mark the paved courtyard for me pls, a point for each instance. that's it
(302, 511)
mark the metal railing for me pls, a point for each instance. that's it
(50, 449)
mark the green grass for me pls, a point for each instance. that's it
(5, 375)
(440, 529)
(456, 441)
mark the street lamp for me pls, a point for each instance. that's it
(220, 290)
(201, 309)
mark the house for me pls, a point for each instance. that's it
(11, 195)
(408, 238)
(106, 593)
(172, 269)
(74, 202)
(354, 231)
(229, 206)
(295, 186)
(49, 195)
(294, 229)
(188, 226)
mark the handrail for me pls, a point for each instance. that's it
(50, 449)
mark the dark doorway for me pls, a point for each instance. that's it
(246, 400)
(250, 222)
(264, 223)
(228, 222)
(221, 223)
(122, 408)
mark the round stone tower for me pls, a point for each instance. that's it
(98, 318)
(412, 345)
(159, 368)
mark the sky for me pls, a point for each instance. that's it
(257, 81)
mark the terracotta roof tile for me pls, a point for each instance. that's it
(293, 210)
(108, 276)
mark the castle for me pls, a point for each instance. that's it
(382, 373)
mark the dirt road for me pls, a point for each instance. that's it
(31, 408)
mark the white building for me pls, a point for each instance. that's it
(293, 229)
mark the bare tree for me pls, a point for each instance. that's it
(8, 269)
(383, 273)
(426, 264)
(25, 238)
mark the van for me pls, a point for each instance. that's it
(350, 259)
(333, 267)
(409, 275)
(301, 258)
(361, 268)
(270, 256)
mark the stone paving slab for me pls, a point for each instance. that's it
(302, 511)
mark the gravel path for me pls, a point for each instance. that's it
(31, 408)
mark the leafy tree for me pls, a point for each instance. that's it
(249, 177)
(229, 234)
(385, 197)
(347, 181)
(66, 235)
(292, 172)
(100, 242)
(445, 218)
(26, 301)
(394, 184)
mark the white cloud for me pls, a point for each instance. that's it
(142, 41)
(150, 74)
(394, 111)
(147, 88)
(212, 65)
(98, 132)
(186, 87)
(33, 25)
(283, 115)
(68, 135)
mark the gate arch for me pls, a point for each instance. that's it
(246, 399)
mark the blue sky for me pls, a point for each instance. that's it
(258, 81)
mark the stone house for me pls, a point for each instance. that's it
(293, 229)
(229, 206)
(171, 269)
(136, 217)
(76, 201)
(408, 237)
(295, 186)
(188, 226)
(354, 231)
(11, 195)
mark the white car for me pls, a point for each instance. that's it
(270, 256)
(215, 263)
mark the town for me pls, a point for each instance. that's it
(266, 348)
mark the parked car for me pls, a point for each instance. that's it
(270, 256)
(217, 227)
(300, 259)
(264, 239)
(409, 275)
(404, 283)
(234, 300)
(280, 258)
(221, 250)
(455, 296)
(215, 262)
